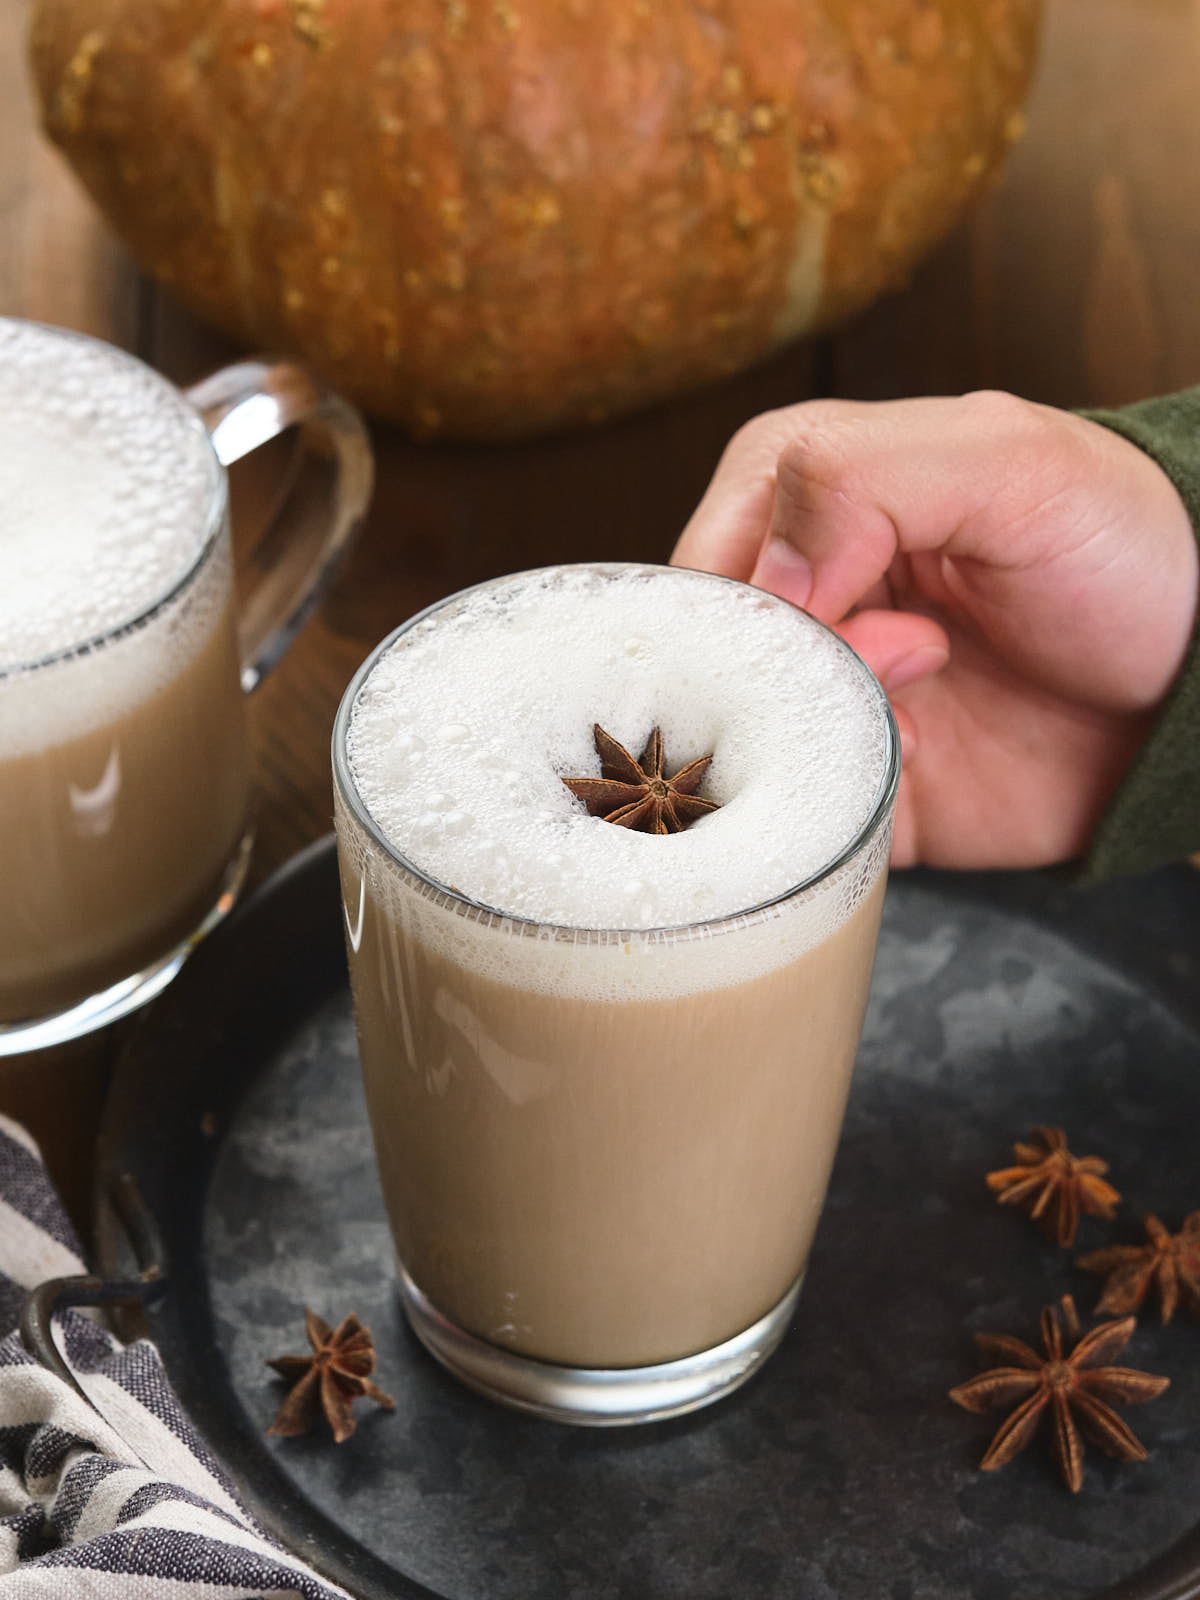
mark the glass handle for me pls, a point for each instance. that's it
(319, 503)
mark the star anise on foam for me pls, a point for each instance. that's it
(638, 794)
(1168, 1261)
(1054, 1185)
(1075, 1386)
(330, 1380)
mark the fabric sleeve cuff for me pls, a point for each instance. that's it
(1153, 816)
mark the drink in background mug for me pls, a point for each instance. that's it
(606, 1070)
(124, 782)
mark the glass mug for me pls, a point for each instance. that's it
(125, 803)
(603, 1152)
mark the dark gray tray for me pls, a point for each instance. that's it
(841, 1472)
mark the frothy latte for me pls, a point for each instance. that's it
(607, 1070)
(123, 772)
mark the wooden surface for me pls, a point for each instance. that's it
(1074, 282)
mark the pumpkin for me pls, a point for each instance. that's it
(493, 217)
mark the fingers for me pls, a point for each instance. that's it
(815, 502)
(901, 649)
(898, 646)
(905, 852)
(726, 530)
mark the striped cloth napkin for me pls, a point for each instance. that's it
(124, 1501)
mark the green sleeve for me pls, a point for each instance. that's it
(1154, 815)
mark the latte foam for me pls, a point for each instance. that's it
(460, 734)
(105, 477)
(107, 491)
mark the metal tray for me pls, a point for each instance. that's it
(841, 1471)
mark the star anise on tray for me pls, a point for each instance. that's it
(638, 794)
(1054, 1185)
(1076, 1386)
(1170, 1262)
(330, 1380)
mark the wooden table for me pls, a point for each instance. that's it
(1074, 282)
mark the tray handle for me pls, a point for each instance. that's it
(1174, 1575)
(87, 1289)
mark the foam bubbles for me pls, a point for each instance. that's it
(106, 483)
(461, 734)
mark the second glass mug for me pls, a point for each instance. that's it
(130, 839)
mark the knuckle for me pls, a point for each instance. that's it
(825, 448)
(783, 446)
(1043, 445)
(1002, 414)
(771, 432)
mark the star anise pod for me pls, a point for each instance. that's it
(331, 1379)
(1168, 1261)
(638, 794)
(1054, 1185)
(1075, 1386)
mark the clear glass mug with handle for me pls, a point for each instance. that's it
(125, 656)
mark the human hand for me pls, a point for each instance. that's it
(1023, 582)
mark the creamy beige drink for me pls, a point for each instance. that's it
(606, 1069)
(123, 768)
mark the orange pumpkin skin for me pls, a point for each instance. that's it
(493, 217)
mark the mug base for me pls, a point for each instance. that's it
(128, 994)
(593, 1396)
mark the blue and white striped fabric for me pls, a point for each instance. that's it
(120, 1502)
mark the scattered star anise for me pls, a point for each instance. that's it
(1055, 1185)
(331, 1379)
(1169, 1261)
(1076, 1387)
(637, 794)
